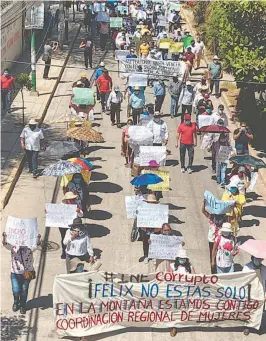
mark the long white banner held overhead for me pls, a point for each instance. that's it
(150, 153)
(153, 68)
(91, 303)
(152, 215)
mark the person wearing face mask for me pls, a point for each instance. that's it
(137, 103)
(126, 150)
(79, 187)
(70, 199)
(159, 94)
(78, 243)
(174, 88)
(240, 180)
(201, 86)
(242, 137)
(256, 264)
(215, 75)
(164, 264)
(187, 134)
(114, 103)
(190, 56)
(7, 86)
(199, 51)
(221, 167)
(159, 129)
(32, 141)
(186, 99)
(224, 250)
(22, 272)
(219, 114)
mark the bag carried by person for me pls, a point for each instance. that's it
(45, 57)
(27, 274)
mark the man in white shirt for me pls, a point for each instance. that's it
(32, 141)
(198, 50)
(256, 264)
(114, 102)
(216, 116)
(159, 129)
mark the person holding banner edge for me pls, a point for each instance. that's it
(22, 272)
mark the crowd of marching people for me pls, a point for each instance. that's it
(143, 31)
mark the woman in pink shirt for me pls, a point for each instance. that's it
(125, 148)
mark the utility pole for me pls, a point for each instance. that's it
(67, 4)
(34, 92)
(61, 25)
(73, 7)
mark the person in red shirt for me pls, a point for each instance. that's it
(190, 56)
(187, 134)
(7, 85)
(104, 84)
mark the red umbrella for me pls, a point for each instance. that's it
(214, 129)
(80, 162)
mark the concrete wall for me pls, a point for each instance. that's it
(11, 33)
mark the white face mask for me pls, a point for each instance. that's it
(156, 120)
(220, 111)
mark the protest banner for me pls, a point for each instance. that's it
(152, 215)
(165, 43)
(224, 154)
(216, 206)
(102, 17)
(204, 120)
(60, 215)
(21, 232)
(176, 47)
(254, 178)
(116, 22)
(121, 54)
(137, 79)
(174, 7)
(162, 22)
(164, 247)
(162, 186)
(91, 303)
(132, 203)
(148, 153)
(153, 68)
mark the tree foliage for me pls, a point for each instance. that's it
(24, 81)
(236, 30)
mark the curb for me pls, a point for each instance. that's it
(225, 101)
(16, 171)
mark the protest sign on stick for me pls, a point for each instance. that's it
(148, 153)
(116, 22)
(204, 120)
(224, 154)
(107, 301)
(121, 54)
(132, 203)
(21, 232)
(137, 79)
(161, 186)
(164, 247)
(60, 215)
(152, 215)
(215, 206)
(177, 47)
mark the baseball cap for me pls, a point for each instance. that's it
(187, 117)
(102, 64)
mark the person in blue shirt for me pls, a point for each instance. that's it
(98, 73)
(137, 103)
(159, 94)
(131, 54)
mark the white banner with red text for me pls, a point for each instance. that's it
(97, 302)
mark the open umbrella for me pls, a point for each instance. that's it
(214, 129)
(85, 134)
(146, 179)
(248, 160)
(81, 162)
(256, 248)
(60, 148)
(61, 168)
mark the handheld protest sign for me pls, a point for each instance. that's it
(21, 232)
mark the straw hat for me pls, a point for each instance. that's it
(33, 122)
(216, 57)
(226, 227)
(84, 75)
(182, 254)
(69, 196)
(151, 198)
(74, 262)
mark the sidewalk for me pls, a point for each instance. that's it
(11, 124)
(188, 15)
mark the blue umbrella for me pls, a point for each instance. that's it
(146, 179)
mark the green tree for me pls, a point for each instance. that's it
(24, 82)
